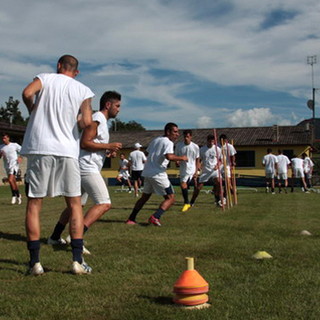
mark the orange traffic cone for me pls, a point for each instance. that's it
(190, 288)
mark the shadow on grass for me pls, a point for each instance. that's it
(17, 237)
(162, 300)
(142, 224)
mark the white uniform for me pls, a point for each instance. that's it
(154, 172)
(297, 167)
(187, 168)
(282, 166)
(9, 152)
(124, 172)
(307, 166)
(51, 141)
(137, 159)
(209, 159)
(229, 151)
(91, 163)
(269, 161)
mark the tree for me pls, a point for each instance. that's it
(11, 113)
(118, 125)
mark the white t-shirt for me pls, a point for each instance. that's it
(297, 163)
(137, 159)
(209, 157)
(9, 153)
(157, 162)
(93, 161)
(283, 162)
(308, 164)
(192, 152)
(229, 151)
(269, 161)
(52, 128)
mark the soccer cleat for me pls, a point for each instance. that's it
(36, 270)
(68, 239)
(85, 251)
(80, 268)
(267, 189)
(13, 200)
(154, 221)
(19, 199)
(130, 222)
(224, 202)
(186, 207)
(59, 242)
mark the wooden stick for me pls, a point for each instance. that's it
(234, 182)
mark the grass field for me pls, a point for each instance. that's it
(135, 267)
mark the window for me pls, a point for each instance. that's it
(107, 163)
(245, 159)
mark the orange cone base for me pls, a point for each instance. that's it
(191, 290)
(191, 300)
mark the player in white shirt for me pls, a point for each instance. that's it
(9, 151)
(297, 166)
(137, 160)
(95, 147)
(58, 106)
(210, 155)
(188, 169)
(160, 153)
(282, 170)
(270, 161)
(123, 171)
(308, 169)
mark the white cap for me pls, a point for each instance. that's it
(137, 145)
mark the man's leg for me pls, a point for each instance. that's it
(55, 237)
(32, 223)
(196, 192)
(95, 213)
(137, 207)
(14, 189)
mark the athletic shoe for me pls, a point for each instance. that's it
(186, 207)
(130, 222)
(36, 270)
(85, 251)
(68, 239)
(224, 202)
(273, 192)
(154, 221)
(59, 242)
(19, 199)
(267, 189)
(80, 268)
(13, 200)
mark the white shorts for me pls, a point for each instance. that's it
(298, 173)
(124, 174)
(228, 172)
(93, 185)
(13, 169)
(282, 176)
(160, 186)
(270, 175)
(186, 177)
(52, 176)
(205, 177)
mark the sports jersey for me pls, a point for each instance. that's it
(52, 128)
(209, 158)
(308, 164)
(192, 152)
(93, 161)
(229, 151)
(269, 161)
(297, 163)
(9, 153)
(283, 162)
(137, 159)
(157, 162)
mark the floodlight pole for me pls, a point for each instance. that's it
(313, 60)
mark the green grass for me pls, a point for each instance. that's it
(135, 267)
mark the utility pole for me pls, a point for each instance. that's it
(312, 104)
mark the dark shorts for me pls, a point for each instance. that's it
(136, 175)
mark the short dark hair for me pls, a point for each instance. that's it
(210, 137)
(109, 96)
(187, 131)
(269, 150)
(68, 62)
(169, 126)
(223, 137)
(4, 134)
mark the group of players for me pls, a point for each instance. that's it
(276, 166)
(66, 146)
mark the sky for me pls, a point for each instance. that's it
(198, 63)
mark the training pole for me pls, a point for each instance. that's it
(226, 178)
(234, 181)
(218, 166)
